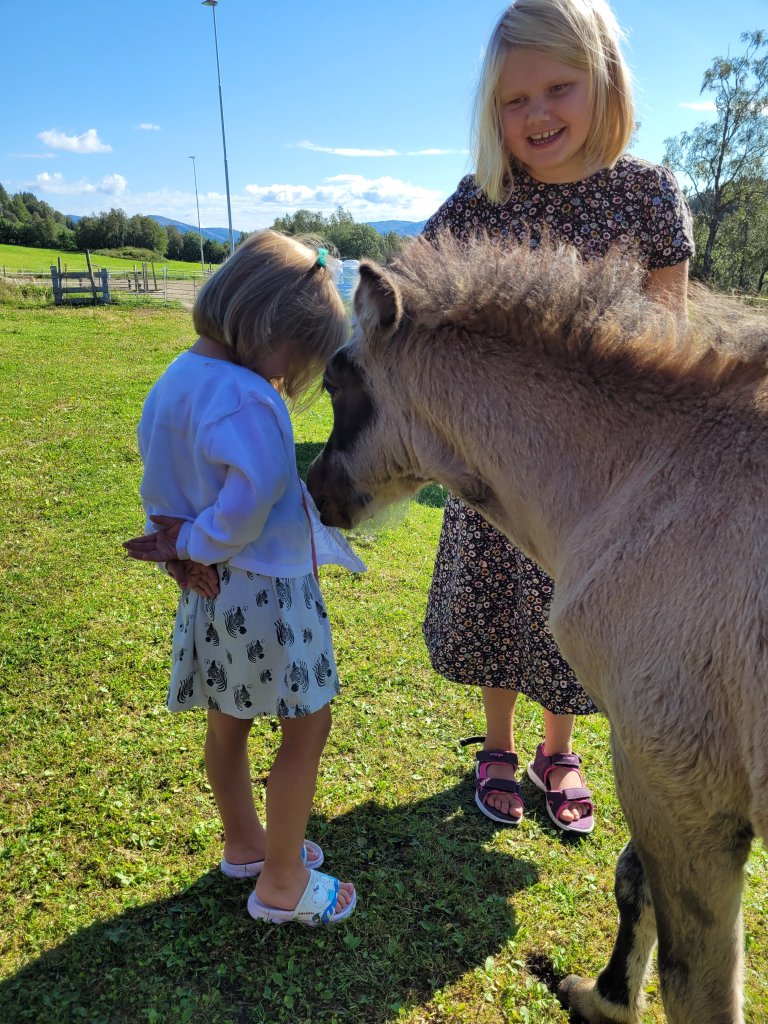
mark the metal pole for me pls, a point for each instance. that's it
(213, 4)
(199, 229)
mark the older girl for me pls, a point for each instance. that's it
(553, 118)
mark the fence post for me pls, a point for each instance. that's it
(105, 284)
(56, 286)
(90, 274)
(165, 283)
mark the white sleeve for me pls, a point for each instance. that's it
(251, 447)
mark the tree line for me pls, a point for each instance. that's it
(27, 220)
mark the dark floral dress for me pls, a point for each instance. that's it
(486, 621)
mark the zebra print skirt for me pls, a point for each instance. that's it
(262, 647)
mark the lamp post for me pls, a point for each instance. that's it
(213, 4)
(199, 229)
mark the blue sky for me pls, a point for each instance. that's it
(362, 104)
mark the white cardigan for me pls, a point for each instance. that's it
(217, 445)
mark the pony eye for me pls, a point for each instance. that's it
(330, 388)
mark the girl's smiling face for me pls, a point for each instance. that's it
(546, 115)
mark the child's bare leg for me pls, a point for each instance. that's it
(558, 733)
(229, 775)
(290, 791)
(499, 705)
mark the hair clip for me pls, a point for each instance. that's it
(321, 257)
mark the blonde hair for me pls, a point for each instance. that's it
(272, 294)
(581, 33)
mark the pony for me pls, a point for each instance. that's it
(625, 450)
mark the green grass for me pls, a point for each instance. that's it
(111, 907)
(39, 261)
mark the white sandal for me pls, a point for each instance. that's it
(311, 855)
(315, 907)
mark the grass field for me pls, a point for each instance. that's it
(15, 258)
(112, 910)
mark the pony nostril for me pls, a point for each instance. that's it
(320, 502)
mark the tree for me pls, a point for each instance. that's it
(355, 241)
(175, 243)
(213, 251)
(724, 160)
(303, 222)
(145, 233)
(190, 247)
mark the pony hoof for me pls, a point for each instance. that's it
(577, 995)
(580, 996)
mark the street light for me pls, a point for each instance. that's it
(199, 229)
(213, 4)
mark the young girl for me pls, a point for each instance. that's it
(252, 637)
(553, 116)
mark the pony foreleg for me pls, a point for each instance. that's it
(617, 996)
(696, 881)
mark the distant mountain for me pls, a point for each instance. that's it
(215, 234)
(402, 227)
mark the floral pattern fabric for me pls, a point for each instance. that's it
(486, 621)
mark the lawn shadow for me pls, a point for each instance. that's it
(433, 904)
(433, 495)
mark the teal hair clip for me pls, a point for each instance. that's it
(322, 255)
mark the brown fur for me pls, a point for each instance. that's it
(627, 452)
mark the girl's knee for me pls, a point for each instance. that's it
(312, 728)
(228, 728)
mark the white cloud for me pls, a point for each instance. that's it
(55, 184)
(88, 142)
(383, 198)
(112, 184)
(367, 199)
(707, 105)
(146, 127)
(348, 151)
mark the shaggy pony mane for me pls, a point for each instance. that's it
(593, 312)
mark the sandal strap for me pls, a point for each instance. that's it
(489, 785)
(498, 757)
(556, 798)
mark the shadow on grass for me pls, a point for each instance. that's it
(433, 495)
(433, 904)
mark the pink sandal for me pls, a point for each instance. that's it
(538, 773)
(487, 784)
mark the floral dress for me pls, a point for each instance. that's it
(487, 613)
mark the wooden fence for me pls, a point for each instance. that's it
(63, 291)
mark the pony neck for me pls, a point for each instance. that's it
(540, 459)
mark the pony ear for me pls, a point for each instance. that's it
(378, 306)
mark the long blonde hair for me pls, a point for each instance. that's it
(581, 33)
(270, 294)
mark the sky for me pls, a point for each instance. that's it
(362, 104)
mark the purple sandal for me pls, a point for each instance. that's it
(486, 784)
(538, 772)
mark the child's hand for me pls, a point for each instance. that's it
(156, 547)
(177, 569)
(203, 579)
